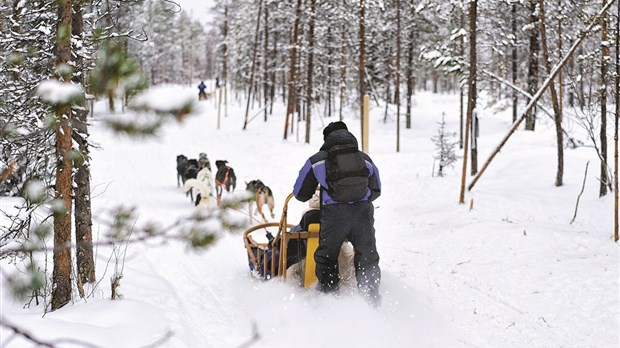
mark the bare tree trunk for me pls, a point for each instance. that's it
(532, 73)
(330, 71)
(560, 75)
(343, 71)
(515, 99)
(274, 62)
(388, 80)
(310, 68)
(290, 106)
(83, 215)
(61, 276)
(554, 97)
(266, 59)
(397, 80)
(15, 27)
(539, 93)
(254, 51)
(617, 118)
(471, 94)
(461, 88)
(571, 89)
(409, 71)
(225, 55)
(603, 90)
(581, 96)
(362, 60)
(191, 58)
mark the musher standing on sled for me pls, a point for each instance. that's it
(202, 95)
(349, 183)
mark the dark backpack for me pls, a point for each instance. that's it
(347, 174)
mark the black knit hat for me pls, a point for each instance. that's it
(332, 127)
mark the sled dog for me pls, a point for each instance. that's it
(205, 177)
(225, 179)
(263, 195)
(203, 161)
(205, 196)
(181, 167)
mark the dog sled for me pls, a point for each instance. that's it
(272, 258)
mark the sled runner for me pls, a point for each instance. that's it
(272, 258)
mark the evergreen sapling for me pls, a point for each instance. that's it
(444, 144)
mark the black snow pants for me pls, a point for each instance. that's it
(355, 223)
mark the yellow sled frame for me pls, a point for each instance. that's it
(282, 237)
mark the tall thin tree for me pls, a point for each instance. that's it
(343, 70)
(362, 60)
(291, 102)
(603, 93)
(225, 60)
(461, 87)
(397, 79)
(310, 69)
(252, 73)
(471, 93)
(266, 57)
(83, 214)
(617, 117)
(554, 96)
(61, 275)
(409, 70)
(532, 72)
(560, 75)
(513, 56)
(330, 70)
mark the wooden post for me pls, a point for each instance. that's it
(365, 124)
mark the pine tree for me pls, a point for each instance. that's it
(444, 146)
(61, 277)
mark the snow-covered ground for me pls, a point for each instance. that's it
(509, 272)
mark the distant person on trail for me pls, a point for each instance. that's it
(202, 95)
(349, 183)
(217, 82)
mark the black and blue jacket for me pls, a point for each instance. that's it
(313, 172)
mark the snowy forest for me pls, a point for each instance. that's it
(549, 66)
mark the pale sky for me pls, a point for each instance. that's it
(198, 9)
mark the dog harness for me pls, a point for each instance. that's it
(223, 183)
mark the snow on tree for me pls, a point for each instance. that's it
(445, 146)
